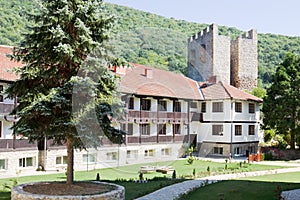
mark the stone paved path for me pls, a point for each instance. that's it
(174, 191)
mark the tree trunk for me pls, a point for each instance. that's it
(292, 140)
(70, 164)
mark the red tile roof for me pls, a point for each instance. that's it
(159, 83)
(222, 90)
(6, 65)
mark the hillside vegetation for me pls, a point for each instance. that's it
(149, 39)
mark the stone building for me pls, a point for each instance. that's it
(214, 57)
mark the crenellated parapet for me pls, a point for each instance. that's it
(234, 61)
(209, 31)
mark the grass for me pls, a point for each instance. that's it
(135, 190)
(258, 188)
(131, 172)
(4, 195)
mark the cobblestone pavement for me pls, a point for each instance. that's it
(174, 191)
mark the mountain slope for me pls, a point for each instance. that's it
(149, 39)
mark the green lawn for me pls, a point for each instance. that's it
(133, 190)
(259, 188)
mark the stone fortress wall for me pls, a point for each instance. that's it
(231, 61)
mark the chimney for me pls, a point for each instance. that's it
(212, 79)
(148, 73)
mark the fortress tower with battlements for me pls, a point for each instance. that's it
(214, 57)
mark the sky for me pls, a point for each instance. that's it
(266, 16)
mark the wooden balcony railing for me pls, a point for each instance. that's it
(8, 144)
(159, 117)
(11, 144)
(6, 108)
(159, 139)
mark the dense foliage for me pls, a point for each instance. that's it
(281, 105)
(150, 39)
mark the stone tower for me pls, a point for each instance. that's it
(209, 55)
(216, 57)
(244, 61)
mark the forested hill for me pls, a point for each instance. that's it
(146, 38)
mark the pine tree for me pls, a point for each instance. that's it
(63, 58)
(281, 105)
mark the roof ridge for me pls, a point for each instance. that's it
(225, 89)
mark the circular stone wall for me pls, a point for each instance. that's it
(18, 193)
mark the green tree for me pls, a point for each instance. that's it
(259, 92)
(57, 58)
(282, 103)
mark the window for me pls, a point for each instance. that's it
(111, 156)
(162, 105)
(203, 107)
(237, 150)
(176, 129)
(26, 162)
(129, 127)
(131, 103)
(238, 107)
(145, 104)
(89, 158)
(132, 154)
(251, 108)
(194, 105)
(1, 88)
(251, 130)
(61, 160)
(217, 130)
(217, 106)
(166, 152)
(238, 130)
(1, 98)
(3, 164)
(149, 153)
(218, 150)
(145, 129)
(251, 149)
(176, 106)
(123, 127)
(162, 129)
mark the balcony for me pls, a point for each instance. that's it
(10, 144)
(197, 117)
(6, 108)
(159, 139)
(157, 117)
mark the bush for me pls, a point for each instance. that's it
(268, 156)
(141, 176)
(174, 174)
(194, 172)
(190, 159)
(208, 170)
(282, 143)
(98, 177)
(8, 186)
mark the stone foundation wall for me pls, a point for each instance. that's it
(17, 193)
(207, 149)
(103, 157)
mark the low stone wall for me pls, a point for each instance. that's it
(17, 193)
(279, 154)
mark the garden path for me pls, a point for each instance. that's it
(174, 191)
